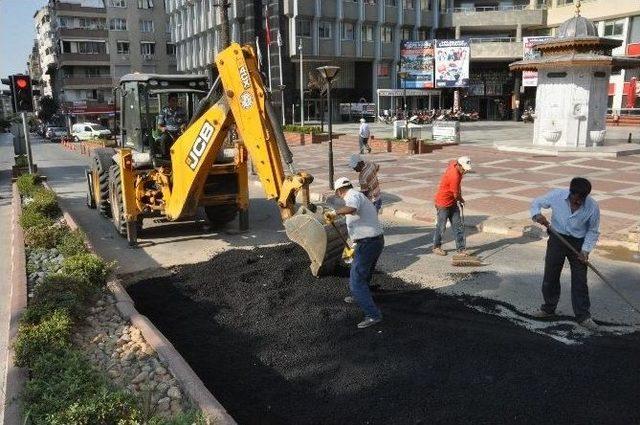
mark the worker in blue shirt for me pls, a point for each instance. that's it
(576, 217)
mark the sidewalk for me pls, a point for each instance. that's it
(499, 191)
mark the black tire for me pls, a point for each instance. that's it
(100, 163)
(117, 206)
(219, 215)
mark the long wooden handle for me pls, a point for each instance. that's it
(340, 234)
(595, 270)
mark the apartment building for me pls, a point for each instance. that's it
(72, 39)
(139, 38)
(363, 37)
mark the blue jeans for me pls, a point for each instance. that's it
(452, 214)
(367, 252)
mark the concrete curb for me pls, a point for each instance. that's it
(192, 385)
(16, 377)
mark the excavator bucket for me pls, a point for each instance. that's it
(323, 242)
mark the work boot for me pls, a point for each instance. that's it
(541, 314)
(589, 324)
(349, 299)
(368, 321)
(463, 252)
(439, 251)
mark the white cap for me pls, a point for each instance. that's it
(354, 160)
(363, 120)
(465, 162)
(341, 182)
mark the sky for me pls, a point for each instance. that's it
(17, 32)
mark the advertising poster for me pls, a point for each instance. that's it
(452, 63)
(416, 58)
(530, 78)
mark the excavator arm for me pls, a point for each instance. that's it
(244, 103)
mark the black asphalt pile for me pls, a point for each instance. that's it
(278, 346)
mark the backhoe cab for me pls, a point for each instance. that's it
(175, 156)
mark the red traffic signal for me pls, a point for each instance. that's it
(22, 93)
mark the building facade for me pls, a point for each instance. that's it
(139, 38)
(363, 37)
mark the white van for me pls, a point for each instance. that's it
(88, 131)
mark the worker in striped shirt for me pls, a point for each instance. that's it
(368, 176)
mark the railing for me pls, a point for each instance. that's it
(505, 8)
(492, 40)
(623, 111)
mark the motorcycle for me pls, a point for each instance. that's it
(528, 116)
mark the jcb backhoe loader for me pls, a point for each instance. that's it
(137, 179)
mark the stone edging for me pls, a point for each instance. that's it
(192, 385)
(16, 377)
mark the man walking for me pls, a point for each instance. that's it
(365, 231)
(368, 177)
(447, 198)
(364, 133)
(576, 217)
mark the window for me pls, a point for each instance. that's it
(422, 34)
(147, 48)
(145, 4)
(370, 2)
(367, 33)
(94, 71)
(386, 34)
(146, 25)
(613, 28)
(118, 3)
(425, 5)
(171, 49)
(409, 4)
(303, 28)
(390, 2)
(122, 47)
(347, 31)
(406, 34)
(324, 29)
(384, 69)
(118, 24)
(91, 47)
(63, 22)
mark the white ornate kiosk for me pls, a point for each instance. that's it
(573, 81)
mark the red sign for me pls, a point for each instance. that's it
(633, 49)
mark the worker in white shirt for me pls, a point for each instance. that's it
(364, 134)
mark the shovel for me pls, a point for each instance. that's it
(465, 260)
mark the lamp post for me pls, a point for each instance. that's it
(403, 77)
(329, 74)
(301, 85)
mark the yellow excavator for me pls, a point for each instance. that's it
(205, 167)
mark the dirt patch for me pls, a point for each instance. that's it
(277, 346)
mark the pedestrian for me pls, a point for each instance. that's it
(576, 217)
(368, 177)
(447, 198)
(364, 133)
(365, 231)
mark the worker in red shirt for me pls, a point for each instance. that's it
(447, 199)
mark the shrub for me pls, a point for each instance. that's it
(302, 129)
(43, 236)
(104, 407)
(27, 183)
(51, 335)
(44, 202)
(22, 162)
(89, 268)
(32, 218)
(58, 292)
(72, 243)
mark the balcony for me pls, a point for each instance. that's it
(326, 47)
(390, 15)
(409, 17)
(327, 8)
(370, 12)
(307, 8)
(498, 16)
(368, 49)
(84, 33)
(348, 48)
(492, 48)
(350, 10)
(87, 81)
(82, 59)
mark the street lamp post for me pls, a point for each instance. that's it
(301, 85)
(329, 73)
(403, 77)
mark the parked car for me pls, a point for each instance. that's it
(55, 134)
(88, 131)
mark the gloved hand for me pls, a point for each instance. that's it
(347, 254)
(330, 216)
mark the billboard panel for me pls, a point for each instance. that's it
(452, 63)
(530, 78)
(416, 58)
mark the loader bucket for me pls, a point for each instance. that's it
(322, 241)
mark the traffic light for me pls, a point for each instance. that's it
(22, 93)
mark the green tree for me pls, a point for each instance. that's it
(48, 108)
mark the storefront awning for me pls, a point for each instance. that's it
(409, 92)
